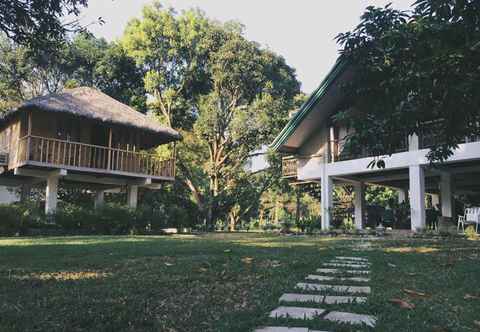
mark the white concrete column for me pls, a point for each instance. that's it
(446, 195)
(132, 196)
(326, 201)
(435, 200)
(99, 199)
(51, 198)
(413, 142)
(402, 195)
(417, 197)
(359, 203)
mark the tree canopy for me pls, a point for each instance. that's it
(228, 95)
(416, 72)
(39, 23)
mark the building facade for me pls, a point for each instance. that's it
(315, 149)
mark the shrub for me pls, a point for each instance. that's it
(348, 225)
(10, 220)
(19, 217)
(471, 233)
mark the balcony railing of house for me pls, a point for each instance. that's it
(337, 152)
(60, 153)
(427, 139)
(289, 167)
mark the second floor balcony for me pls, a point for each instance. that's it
(54, 153)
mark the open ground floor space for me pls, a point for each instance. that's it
(238, 282)
(431, 194)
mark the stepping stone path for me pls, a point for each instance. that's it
(337, 291)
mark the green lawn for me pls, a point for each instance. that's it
(223, 282)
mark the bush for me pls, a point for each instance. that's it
(10, 217)
(111, 219)
(16, 219)
(471, 233)
(348, 225)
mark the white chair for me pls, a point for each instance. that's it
(471, 216)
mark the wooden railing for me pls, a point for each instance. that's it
(55, 152)
(289, 167)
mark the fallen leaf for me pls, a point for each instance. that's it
(202, 269)
(403, 304)
(414, 293)
(168, 264)
(227, 250)
(471, 297)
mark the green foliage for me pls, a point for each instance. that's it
(348, 225)
(471, 233)
(82, 61)
(15, 219)
(415, 72)
(171, 49)
(381, 196)
(39, 23)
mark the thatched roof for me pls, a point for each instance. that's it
(94, 104)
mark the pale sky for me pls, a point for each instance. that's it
(302, 31)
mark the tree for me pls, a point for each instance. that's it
(251, 90)
(415, 72)
(171, 49)
(82, 61)
(227, 95)
(39, 23)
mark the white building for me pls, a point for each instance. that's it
(317, 145)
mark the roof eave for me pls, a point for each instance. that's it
(308, 106)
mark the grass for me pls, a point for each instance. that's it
(224, 282)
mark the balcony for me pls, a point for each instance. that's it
(337, 152)
(289, 167)
(49, 152)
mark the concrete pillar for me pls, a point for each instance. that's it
(446, 195)
(99, 199)
(326, 201)
(402, 195)
(417, 197)
(132, 196)
(51, 198)
(359, 203)
(435, 200)
(413, 142)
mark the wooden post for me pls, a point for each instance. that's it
(109, 160)
(174, 159)
(29, 134)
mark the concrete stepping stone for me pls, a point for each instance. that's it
(330, 278)
(349, 318)
(352, 266)
(343, 271)
(344, 299)
(360, 259)
(328, 271)
(296, 312)
(291, 297)
(308, 298)
(339, 261)
(285, 329)
(334, 288)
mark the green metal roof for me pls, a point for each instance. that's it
(308, 106)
